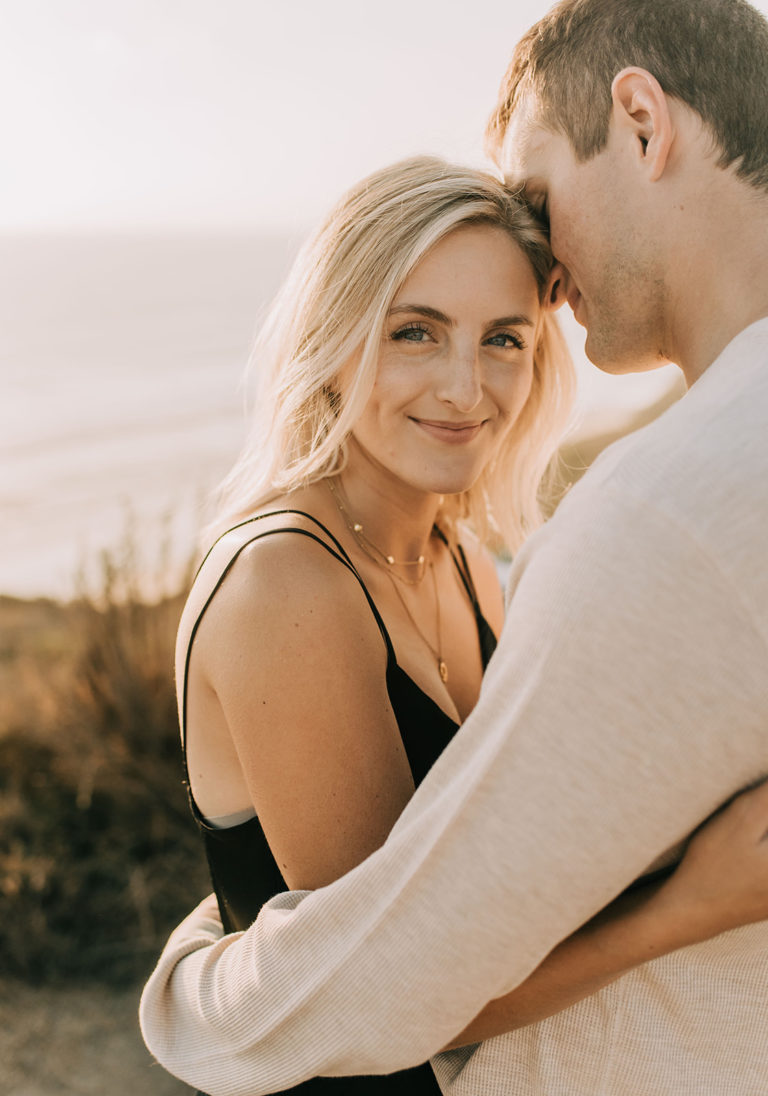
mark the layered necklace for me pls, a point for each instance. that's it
(382, 559)
(387, 563)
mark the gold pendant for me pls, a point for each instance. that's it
(443, 670)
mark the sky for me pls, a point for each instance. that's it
(225, 113)
(222, 113)
(180, 114)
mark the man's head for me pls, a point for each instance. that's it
(712, 55)
(619, 116)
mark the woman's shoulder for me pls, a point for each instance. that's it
(281, 555)
(279, 571)
(276, 538)
(290, 535)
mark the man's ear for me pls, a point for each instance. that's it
(556, 289)
(641, 111)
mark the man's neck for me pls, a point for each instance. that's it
(722, 278)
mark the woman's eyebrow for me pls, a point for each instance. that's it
(435, 314)
(422, 310)
(512, 321)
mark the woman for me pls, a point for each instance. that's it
(412, 387)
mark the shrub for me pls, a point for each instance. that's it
(99, 857)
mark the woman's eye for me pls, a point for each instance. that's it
(506, 340)
(412, 333)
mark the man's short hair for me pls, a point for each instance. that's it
(710, 54)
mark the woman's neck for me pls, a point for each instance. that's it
(395, 518)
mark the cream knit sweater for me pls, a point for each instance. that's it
(628, 698)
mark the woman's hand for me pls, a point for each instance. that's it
(722, 881)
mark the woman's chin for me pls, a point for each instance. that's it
(449, 485)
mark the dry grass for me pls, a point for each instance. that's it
(99, 857)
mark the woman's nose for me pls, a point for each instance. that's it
(460, 382)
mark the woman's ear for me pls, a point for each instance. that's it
(555, 290)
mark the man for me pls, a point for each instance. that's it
(629, 694)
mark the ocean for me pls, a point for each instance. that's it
(121, 409)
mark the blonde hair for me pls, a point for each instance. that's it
(331, 311)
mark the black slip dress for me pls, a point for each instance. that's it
(425, 730)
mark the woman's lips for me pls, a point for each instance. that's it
(454, 433)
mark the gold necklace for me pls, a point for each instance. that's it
(373, 551)
(357, 532)
(437, 654)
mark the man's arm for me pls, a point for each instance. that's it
(620, 709)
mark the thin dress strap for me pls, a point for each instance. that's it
(485, 633)
(462, 567)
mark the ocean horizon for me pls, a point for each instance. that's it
(121, 357)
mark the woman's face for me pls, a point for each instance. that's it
(456, 362)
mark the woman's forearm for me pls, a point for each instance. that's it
(721, 883)
(632, 930)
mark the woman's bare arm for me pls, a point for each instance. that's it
(297, 664)
(721, 883)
